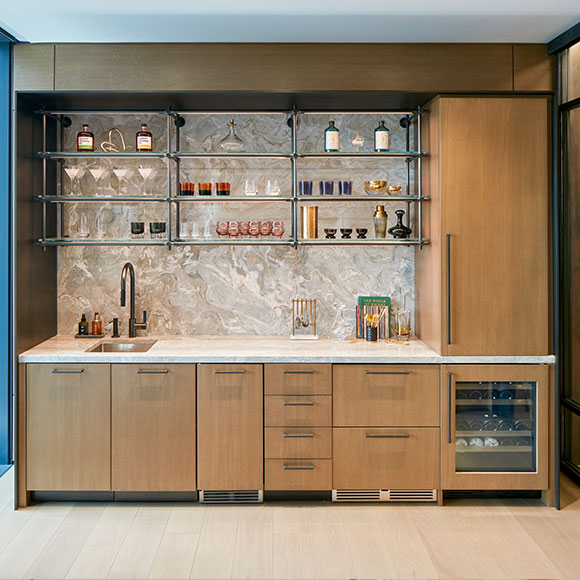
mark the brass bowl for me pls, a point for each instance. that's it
(376, 187)
(394, 190)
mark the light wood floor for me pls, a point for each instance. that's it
(475, 539)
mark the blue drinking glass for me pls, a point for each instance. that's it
(345, 187)
(305, 187)
(326, 187)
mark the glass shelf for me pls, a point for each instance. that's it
(361, 242)
(100, 199)
(362, 197)
(231, 155)
(102, 155)
(231, 198)
(360, 155)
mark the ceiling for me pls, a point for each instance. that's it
(290, 21)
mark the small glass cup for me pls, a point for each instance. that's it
(194, 231)
(234, 229)
(222, 228)
(206, 231)
(272, 187)
(265, 228)
(326, 187)
(204, 188)
(305, 187)
(245, 228)
(157, 229)
(345, 187)
(100, 227)
(222, 188)
(137, 229)
(250, 187)
(277, 228)
(403, 324)
(254, 228)
(183, 230)
(83, 229)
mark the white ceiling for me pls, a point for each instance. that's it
(289, 21)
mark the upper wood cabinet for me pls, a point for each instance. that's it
(68, 427)
(230, 427)
(153, 427)
(482, 285)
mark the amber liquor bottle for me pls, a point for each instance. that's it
(144, 139)
(85, 140)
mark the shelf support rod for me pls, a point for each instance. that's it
(168, 161)
(294, 179)
(44, 182)
(419, 181)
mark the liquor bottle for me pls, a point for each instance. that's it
(331, 138)
(144, 139)
(381, 138)
(85, 140)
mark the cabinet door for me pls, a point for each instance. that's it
(495, 428)
(153, 427)
(68, 427)
(495, 184)
(230, 427)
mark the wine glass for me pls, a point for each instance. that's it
(97, 173)
(121, 173)
(145, 172)
(74, 174)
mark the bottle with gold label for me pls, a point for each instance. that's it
(144, 139)
(85, 140)
(380, 221)
(332, 138)
(381, 138)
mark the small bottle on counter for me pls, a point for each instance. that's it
(331, 138)
(97, 325)
(144, 139)
(381, 138)
(83, 326)
(85, 140)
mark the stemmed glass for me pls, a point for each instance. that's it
(146, 173)
(97, 173)
(74, 174)
(121, 173)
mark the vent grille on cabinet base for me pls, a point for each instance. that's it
(346, 495)
(250, 496)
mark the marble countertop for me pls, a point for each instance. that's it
(258, 349)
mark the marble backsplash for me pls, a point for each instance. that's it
(233, 290)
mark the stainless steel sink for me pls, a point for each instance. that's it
(124, 347)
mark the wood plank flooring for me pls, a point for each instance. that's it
(463, 539)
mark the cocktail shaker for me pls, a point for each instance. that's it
(309, 222)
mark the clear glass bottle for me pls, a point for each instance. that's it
(331, 138)
(144, 139)
(381, 138)
(85, 140)
(380, 221)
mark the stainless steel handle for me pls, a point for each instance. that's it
(298, 467)
(298, 372)
(387, 372)
(448, 288)
(449, 408)
(298, 435)
(229, 372)
(305, 404)
(152, 372)
(67, 371)
(403, 436)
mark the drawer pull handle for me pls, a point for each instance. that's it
(67, 371)
(403, 436)
(152, 372)
(305, 404)
(229, 372)
(298, 467)
(387, 372)
(298, 435)
(298, 372)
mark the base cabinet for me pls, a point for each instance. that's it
(68, 445)
(230, 427)
(495, 432)
(153, 427)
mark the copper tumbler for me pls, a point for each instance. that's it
(309, 222)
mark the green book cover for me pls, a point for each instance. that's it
(374, 301)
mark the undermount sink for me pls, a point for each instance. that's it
(124, 347)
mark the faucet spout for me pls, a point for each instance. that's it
(133, 324)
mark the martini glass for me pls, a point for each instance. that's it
(121, 173)
(74, 174)
(97, 173)
(146, 172)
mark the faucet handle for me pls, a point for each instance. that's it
(145, 317)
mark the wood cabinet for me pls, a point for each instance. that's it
(292, 442)
(153, 427)
(298, 379)
(68, 427)
(495, 427)
(304, 410)
(482, 285)
(298, 474)
(230, 427)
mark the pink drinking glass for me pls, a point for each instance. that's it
(222, 228)
(277, 228)
(244, 228)
(254, 228)
(234, 229)
(266, 228)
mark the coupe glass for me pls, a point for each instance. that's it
(121, 173)
(97, 173)
(146, 173)
(75, 174)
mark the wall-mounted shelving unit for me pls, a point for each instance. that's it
(173, 156)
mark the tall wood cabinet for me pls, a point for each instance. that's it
(482, 285)
(230, 425)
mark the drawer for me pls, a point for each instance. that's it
(386, 395)
(299, 379)
(285, 442)
(298, 411)
(295, 474)
(385, 458)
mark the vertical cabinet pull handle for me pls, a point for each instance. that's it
(67, 371)
(449, 409)
(298, 467)
(152, 372)
(448, 288)
(229, 372)
(305, 404)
